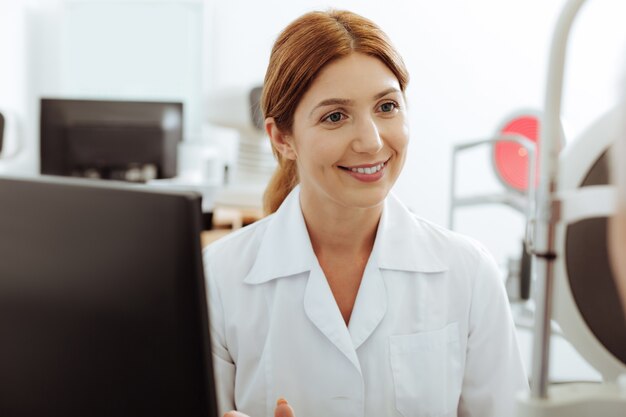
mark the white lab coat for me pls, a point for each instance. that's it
(430, 334)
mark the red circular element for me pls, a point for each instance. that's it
(511, 158)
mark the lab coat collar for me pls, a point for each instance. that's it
(402, 243)
(406, 243)
(286, 248)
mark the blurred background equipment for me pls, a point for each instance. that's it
(239, 109)
(586, 301)
(514, 152)
(9, 134)
(513, 163)
(513, 160)
(232, 188)
(575, 286)
(121, 140)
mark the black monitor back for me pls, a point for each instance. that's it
(102, 301)
(122, 140)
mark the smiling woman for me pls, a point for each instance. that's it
(341, 300)
(304, 48)
(349, 135)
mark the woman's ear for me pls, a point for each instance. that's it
(283, 143)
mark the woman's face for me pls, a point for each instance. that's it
(350, 134)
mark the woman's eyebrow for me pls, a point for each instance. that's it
(331, 102)
(387, 91)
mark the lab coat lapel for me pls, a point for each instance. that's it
(322, 310)
(370, 306)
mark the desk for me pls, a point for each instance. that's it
(232, 217)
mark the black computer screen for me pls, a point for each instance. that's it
(102, 301)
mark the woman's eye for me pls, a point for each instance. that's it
(388, 107)
(334, 117)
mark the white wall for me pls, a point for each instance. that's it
(13, 78)
(472, 62)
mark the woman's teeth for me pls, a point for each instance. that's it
(369, 170)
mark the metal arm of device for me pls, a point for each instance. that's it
(547, 204)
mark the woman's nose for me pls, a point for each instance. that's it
(367, 138)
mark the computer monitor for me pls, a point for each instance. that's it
(122, 140)
(102, 301)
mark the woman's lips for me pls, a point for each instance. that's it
(367, 172)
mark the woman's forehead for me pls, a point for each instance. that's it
(354, 77)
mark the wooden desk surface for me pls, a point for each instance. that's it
(228, 218)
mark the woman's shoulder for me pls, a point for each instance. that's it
(468, 263)
(447, 243)
(450, 238)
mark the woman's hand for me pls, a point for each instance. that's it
(283, 409)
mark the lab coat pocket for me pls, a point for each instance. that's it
(427, 373)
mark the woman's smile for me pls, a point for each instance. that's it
(366, 172)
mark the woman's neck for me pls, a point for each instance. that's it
(340, 230)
